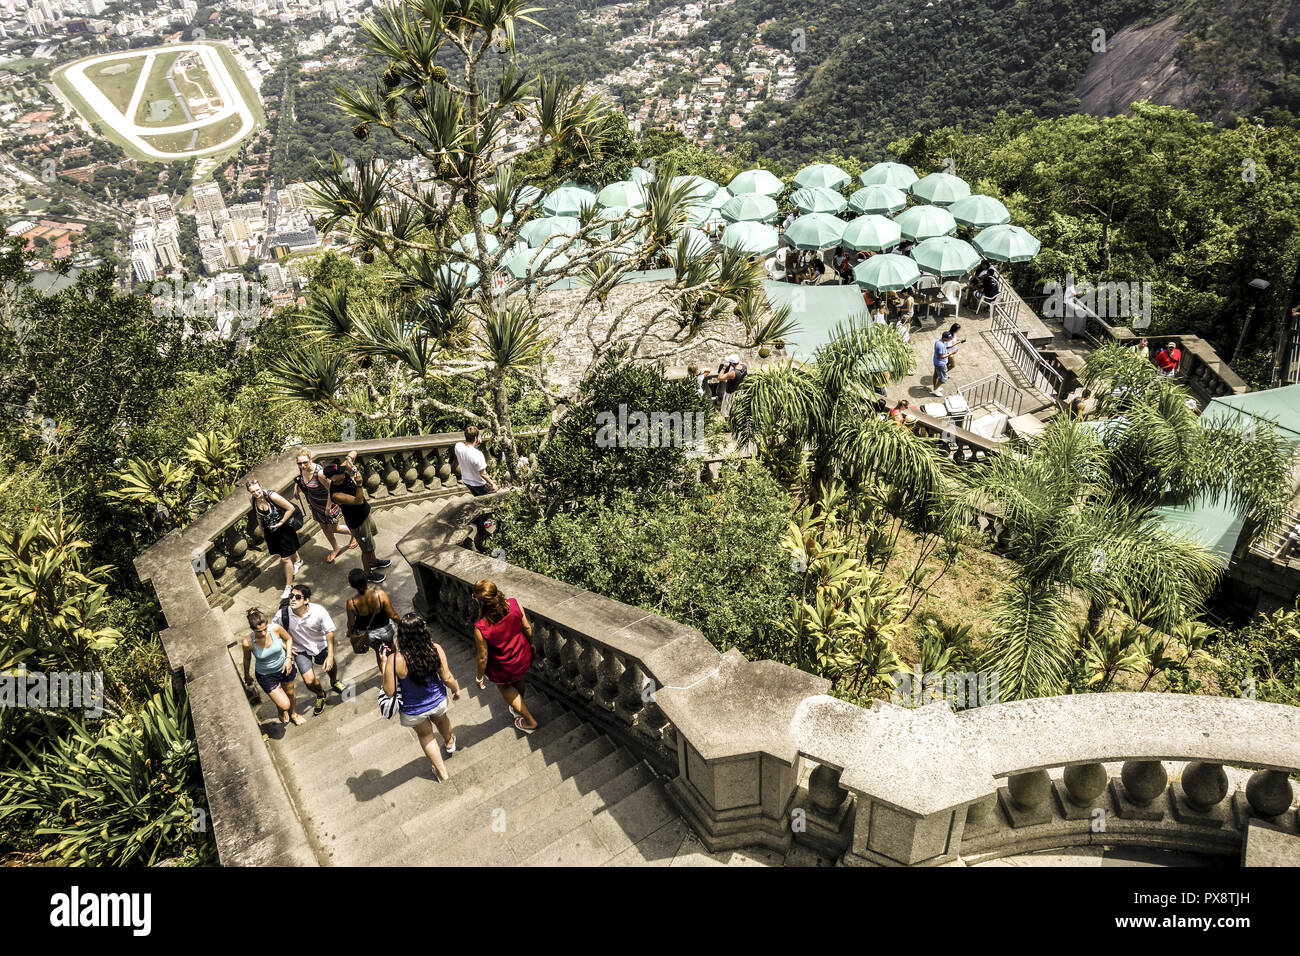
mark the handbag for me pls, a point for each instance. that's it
(390, 705)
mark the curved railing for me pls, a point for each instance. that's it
(757, 752)
(760, 755)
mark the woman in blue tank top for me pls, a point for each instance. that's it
(271, 646)
(419, 667)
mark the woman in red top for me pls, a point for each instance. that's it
(505, 650)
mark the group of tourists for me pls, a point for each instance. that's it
(416, 678)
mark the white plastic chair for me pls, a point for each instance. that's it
(952, 294)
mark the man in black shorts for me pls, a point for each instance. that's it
(351, 499)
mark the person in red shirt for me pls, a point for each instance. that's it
(505, 651)
(1167, 360)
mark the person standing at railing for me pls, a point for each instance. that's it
(473, 464)
(503, 637)
(350, 496)
(1168, 359)
(311, 482)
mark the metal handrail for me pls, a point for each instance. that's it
(993, 389)
(1025, 357)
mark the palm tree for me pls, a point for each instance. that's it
(1080, 504)
(826, 410)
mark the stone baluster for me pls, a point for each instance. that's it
(369, 469)
(1085, 782)
(541, 632)
(1136, 793)
(1025, 798)
(1269, 793)
(569, 655)
(826, 828)
(428, 465)
(588, 677)
(410, 472)
(632, 685)
(608, 673)
(553, 642)
(391, 475)
(445, 470)
(1204, 785)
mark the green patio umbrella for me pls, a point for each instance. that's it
(886, 273)
(701, 189)
(624, 193)
(749, 207)
(702, 214)
(898, 175)
(489, 217)
(945, 257)
(979, 211)
(533, 261)
(816, 230)
(923, 222)
(871, 234)
(751, 238)
(697, 243)
(940, 189)
(567, 201)
(720, 198)
(821, 174)
(818, 199)
(469, 242)
(613, 216)
(539, 230)
(758, 181)
(878, 199)
(1006, 243)
(453, 272)
(641, 176)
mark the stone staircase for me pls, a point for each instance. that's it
(568, 794)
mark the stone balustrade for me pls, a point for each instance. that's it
(759, 754)
(964, 447)
(228, 544)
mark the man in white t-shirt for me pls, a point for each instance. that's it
(473, 464)
(312, 630)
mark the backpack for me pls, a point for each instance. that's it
(991, 286)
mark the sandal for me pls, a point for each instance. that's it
(355, 544)
(513, 712)
(298, 720)
(333, 555)
(450, 745)
(519, 725)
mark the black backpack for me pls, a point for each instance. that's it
(991, 286)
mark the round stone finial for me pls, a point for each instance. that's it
(1269, 792)
(1204, 784)
(1030, 789)
(1143, 780)
(1085, 782)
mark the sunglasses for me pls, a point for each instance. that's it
(296, 597)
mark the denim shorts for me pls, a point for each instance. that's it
(415, 720)
(941, 373)
(304, 662)
(270, 682)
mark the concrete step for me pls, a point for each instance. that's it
(564, 809)
(489, 824)
(610, 831)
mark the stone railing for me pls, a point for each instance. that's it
(758, 754)
(228, 547)
(1206, 375)
(194, 572)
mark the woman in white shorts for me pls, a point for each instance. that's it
(419, 667)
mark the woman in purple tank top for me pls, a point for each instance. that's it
(419, 667)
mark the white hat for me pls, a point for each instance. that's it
(733, 359)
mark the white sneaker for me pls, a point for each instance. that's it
(297, 566)
(938, 393)
(288, 589)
